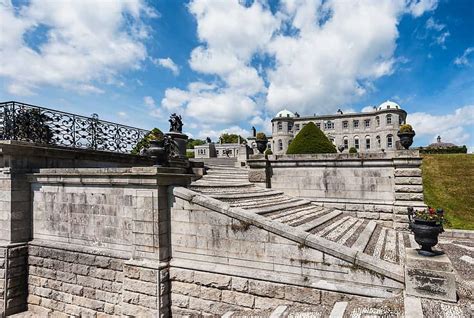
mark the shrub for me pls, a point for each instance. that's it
(406, 128)
(154, 134)
(446, 150)
(268, 152)
(261, 136)
(311, 140)
(190, 154)
(352, 150)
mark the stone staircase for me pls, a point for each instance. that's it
(230, 185)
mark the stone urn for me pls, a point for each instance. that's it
(426, 233)
(261, 145)
(157, 151)
(406, 138)
(341, 148)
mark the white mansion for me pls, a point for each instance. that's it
(368, 131)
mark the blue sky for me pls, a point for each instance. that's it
(229, 65)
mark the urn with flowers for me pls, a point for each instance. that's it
(426, 225)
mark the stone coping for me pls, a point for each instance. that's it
(389, 155)
(455, 233)
(144, 176)
(294, 234)
(93, 250)
(23, 148)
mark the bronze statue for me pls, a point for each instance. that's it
(208, 140)
(176, 123)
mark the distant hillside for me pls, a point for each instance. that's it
(448, 182)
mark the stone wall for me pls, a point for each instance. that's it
(216, 249)
(100, 235)
(13, 281)
(373, 186)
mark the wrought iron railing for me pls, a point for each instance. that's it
(19, 121)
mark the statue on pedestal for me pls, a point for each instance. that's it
(176, 123)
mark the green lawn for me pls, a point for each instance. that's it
(448, 182)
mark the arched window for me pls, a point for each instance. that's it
(377, 121)
(290, 126)
(356, 142)
(280, 126)
(346, 142)
(367, 142)
(289, 142)
(389, 141)
(389, 119)
(400, 120)
(378, 141)
(280, 144)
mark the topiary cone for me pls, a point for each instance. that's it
(311, 140)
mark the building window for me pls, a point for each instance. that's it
(356, 124)
(217, 152)
(297, 127)
(345, 124)
(389, 119)
(332, 140)
(377, 121)
(280, 126)
(318, 125)
(290, 126)
(346, 143)
(329, 125)
(289, 142)
(378, 141)
(356, 142)
(389, 141)
(280, 144)
(367, 123)
(400, 120)
(367, 142)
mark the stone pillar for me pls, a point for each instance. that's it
(429, 277)
(408, 185)
(146, 289)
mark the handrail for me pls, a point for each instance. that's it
(26, 122)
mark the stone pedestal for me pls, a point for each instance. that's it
(429, 277)
(181, 140)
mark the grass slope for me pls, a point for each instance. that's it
(448, 182)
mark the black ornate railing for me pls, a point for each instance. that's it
(19, 121)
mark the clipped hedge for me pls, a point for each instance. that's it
(452, 149)
(311, 140)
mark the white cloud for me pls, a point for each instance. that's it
(464, 58)
(418, 7)
(455, 127)
(310, 56)
(167, 63)
(431, 24)
(149, 101)
(122, 114)
(215, 134)
(367, 109)
(84, 42)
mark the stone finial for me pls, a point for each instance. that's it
(438, 139)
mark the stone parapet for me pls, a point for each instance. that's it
(376, 186)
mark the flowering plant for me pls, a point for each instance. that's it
(431, 214)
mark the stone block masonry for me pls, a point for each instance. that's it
(371, 186)
(13, 278)
(228, 259)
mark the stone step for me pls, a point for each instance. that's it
(361, 243)
(337, 222)
(299, 217)
(226, 172)
(320, 220)
(343, 239)
(205, 183)
(286, 212)
(219, 178)
(238, 195)
(277, 207)
(341, 230)
(260, 202)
